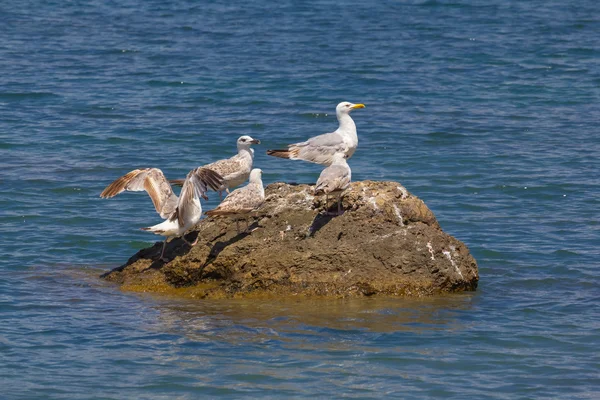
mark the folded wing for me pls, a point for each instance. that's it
(333, 178)
(240, 201)
(319, 149)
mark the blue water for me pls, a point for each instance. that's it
(487, 110)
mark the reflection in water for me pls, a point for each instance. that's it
(310, 347)
(429, 347)
(262, 320)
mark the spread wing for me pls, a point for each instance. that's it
(225, 168)
(196, 184)
(151, 180)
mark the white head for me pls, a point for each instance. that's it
(339, 158)
(345, 108)
(256, 175)
(244, 142)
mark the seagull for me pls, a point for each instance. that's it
(320, 149)
(234, 170)
(334, 179)
(179, 214)
(243, 200)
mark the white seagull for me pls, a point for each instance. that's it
(320, 149)
(234, 170)
(243, 200)
(180, 214)
(334, 179)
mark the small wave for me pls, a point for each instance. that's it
(5, 146)
(119, 140)
(16, 96)
(158, 83)
(446, 135)
(565, 253)
(316, 115)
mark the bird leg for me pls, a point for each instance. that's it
(162, 253)
(246, 225)
(340, 204)
(237, 225)
(221, 193)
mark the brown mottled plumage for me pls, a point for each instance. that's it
(153, 181)
(234, 170)
(243, 200)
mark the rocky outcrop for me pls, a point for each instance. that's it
(386, 242)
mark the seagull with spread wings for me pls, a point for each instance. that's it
(179, 213)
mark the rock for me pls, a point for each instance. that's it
(386, 242)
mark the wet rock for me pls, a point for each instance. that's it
(386, 242)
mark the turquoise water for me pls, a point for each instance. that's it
(488, 111)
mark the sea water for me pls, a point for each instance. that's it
(487, 110)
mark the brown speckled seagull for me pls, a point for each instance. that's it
(243, 200)
(234, 170)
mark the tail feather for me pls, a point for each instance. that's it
(290, 153)
(155, 231)
(279, 153)
(321, 188)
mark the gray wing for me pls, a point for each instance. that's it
(319, 149)
(151, 180)
(332, 178)
(329, 140)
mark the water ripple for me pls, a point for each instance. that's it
(491, 123)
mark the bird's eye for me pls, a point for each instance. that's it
(347, 105)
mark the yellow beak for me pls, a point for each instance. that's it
(357, 106)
